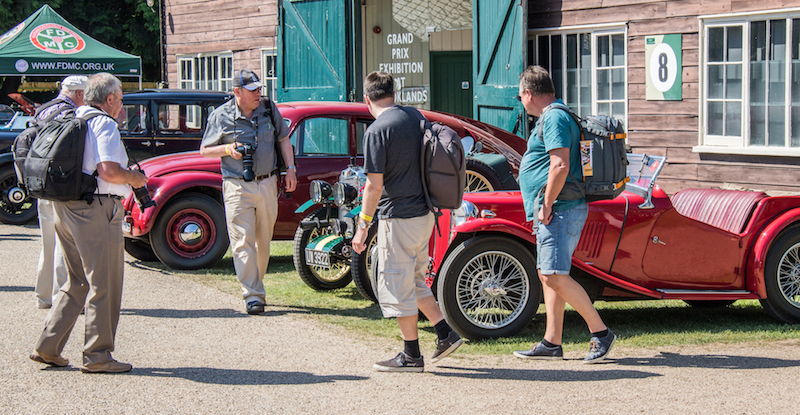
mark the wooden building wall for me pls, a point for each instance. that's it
(201, 26)
(672, 127)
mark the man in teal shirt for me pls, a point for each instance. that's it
(545, 168)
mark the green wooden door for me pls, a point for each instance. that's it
(317, 59)
(451, 82)
(499, 39)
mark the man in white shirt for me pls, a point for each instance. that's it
(91, 237)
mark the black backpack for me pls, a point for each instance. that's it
(604, 158)
(48, 157)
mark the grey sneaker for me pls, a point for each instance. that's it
(254, 308)
(401, 363)
(599, 347)
(446, 346)
(541, 352)
(111, 366)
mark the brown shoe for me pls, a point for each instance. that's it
(57, 361)
(111, 366)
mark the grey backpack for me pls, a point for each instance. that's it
(604, 159)
(444, 166)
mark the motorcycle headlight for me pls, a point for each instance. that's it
(344, 194)
(320, 191)
(463, 213)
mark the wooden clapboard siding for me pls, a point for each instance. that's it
(243, 27)
(671, 128)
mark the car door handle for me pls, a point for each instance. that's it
(159, 144)
(146, 143)
(658, 241)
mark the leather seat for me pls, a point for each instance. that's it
(728, 210)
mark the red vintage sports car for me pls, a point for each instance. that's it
(186, 230)
(703, 246)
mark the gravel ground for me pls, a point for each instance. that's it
(194, 350)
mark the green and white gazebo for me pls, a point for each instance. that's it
(47, 45)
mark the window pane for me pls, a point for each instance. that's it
(777, 40)
(544, 51)
(733, 81)
(603, 92)
(777, 131)
(777, 82)
(572, 70)
(602, 51)
(618, 50)
(325, 136)
(758, 82)
(758, 122)
(618, 110)
(603, 109)
(733, 119)
(796, 39)
(795, 126)
(734, 44)
(716, 44)
(715, 118)
(715, 83)
(557, 72)
(758, 41)
(618, 84)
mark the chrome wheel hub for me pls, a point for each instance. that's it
(789, 275)
(191, 233)
(16, 195)
(493, 289)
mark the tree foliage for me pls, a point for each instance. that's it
(128, 25)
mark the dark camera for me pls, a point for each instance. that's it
(247, 151)
(142, 196)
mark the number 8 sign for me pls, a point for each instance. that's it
(663, 67)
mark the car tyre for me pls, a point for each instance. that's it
(782, 278)
(190, 232)
(140, 250)
(488, 287)
(366, 265)
(481, 177)
(16, 208)
(318, 278)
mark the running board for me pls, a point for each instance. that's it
(708, 295)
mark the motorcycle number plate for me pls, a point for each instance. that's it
(318, 258)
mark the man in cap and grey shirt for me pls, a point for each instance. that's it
(251, 203)
(52, 271)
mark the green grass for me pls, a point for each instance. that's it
(638, 323)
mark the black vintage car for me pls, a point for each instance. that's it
(152, 123)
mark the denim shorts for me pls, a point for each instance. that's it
(556, 241)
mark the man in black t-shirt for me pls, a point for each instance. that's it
(392, 147)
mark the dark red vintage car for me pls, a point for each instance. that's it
(708, 247)
(186, 230)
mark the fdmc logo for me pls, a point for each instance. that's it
(11, 33)
(58, 39)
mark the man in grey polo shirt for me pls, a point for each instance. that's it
(251, 206)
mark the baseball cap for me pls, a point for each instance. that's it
(247, 79)
(74, 82)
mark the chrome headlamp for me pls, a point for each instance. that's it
(464, 212)
(344, 194)
(320, 191)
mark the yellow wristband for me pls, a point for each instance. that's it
(227, 149)
(364, 216)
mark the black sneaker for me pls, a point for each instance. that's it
(446, 346)
(599, 347)
(401, 363)
(541, 352)
(255, 307)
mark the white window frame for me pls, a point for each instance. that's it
(594, 31)
(269, 75)
(223, 76)
(741, 144)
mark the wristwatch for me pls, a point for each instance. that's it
(362, 224)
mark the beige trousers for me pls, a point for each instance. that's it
(91, 236)
(51, 273)
(251, 209)
(402, 263)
